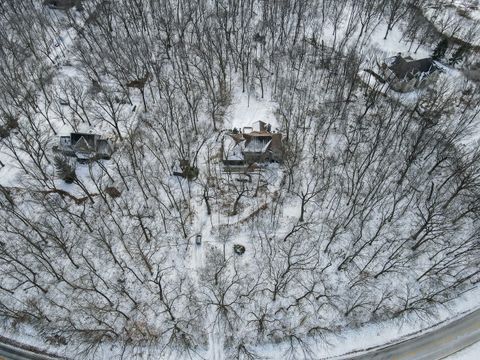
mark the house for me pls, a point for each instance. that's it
(256, 144)
(85, 146)
(232, 150)
(63, 4)
(406, 74)
(262, 146)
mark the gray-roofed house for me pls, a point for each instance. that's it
(85, 146)
(262, 146)
(63, 4)
(406, 74)
(232, 150)
(252, 146)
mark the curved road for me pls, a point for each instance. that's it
(438, 343)
(10, 352)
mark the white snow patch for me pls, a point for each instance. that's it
(395, 43)
(247, 108)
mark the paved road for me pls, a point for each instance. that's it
(9, 352)
(433, 345)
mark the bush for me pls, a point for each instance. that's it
(190, 172)
(65, 169)
(440, 50)
(239, 249)
(11, 122)
(4, 132)
(113, 192)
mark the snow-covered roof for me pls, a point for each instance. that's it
(83, 145)
(232, 150)
(235, 155)
(104, 147)
(390, 61)
(258, 145)
(411, 68)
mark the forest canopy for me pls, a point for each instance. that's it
(370, 213)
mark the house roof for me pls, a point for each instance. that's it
(258, 145)
(103, 147)
(258, 134)
(236, 146)
(235, 155)
(260, 141)
(88, 138)
(62, 4)
(238, 138)
(404, 69)
(82, 145)
(233, 149)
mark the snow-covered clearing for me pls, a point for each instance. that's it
(395, 43)
(247, 108)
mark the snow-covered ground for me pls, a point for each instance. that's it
(458, 18)
(248, 108)
(395, 43)
(332, 346)
(377, 334)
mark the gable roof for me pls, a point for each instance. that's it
(238, 138)
(104, 147)
(260, 141)
(258, 145)
(404, 69)
(88, 138)
(62, 4)
(257, 134)
(82, 145)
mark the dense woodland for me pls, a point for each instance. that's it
(372, 215)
